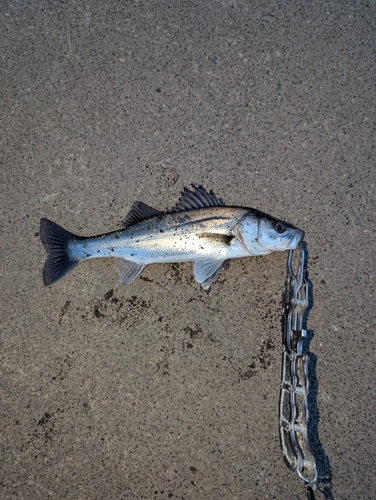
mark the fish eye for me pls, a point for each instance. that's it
(279, 227)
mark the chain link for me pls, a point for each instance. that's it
(293, 409)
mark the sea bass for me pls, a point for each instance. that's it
(200, 229)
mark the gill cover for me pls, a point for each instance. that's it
(261, 235)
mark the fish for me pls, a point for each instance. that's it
(200, 228)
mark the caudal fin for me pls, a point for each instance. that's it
(55, 240)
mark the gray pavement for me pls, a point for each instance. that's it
(157, 390)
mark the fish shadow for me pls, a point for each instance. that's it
(324, 471)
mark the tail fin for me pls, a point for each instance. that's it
(55, 240)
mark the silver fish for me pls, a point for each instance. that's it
(199, 229)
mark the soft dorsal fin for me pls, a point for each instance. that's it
(198, 198)
(138, 212)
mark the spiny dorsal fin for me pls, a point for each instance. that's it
(198, 198)
(138, 212)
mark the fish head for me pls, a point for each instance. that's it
(262, 234)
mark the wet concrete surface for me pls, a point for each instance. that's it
(158, 390)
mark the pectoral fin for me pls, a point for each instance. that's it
(206, 271)
(129, 271)
(237, 232)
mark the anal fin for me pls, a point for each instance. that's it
(129, 271)
(206, 271)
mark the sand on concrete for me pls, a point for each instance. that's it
(158, 390)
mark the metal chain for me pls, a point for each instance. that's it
(293, 408)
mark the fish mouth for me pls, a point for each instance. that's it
(298, 237)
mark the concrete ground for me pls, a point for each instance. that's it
(157, 390)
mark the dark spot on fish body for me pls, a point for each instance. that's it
(161, 231)
(117, 236)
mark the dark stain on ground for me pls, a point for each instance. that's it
(45, 419)
(47, 425)
(64, 310)
(313, 260)
(134, 301)
(162, 492)
(45, 428)
(261, 361)
(163, 364)
(97, 312)
(204, 300)
(167, 176)
(180, 272)
(266, 356)
(145, 278)
(109, 294)
(64, 365)
(175, 273)
(110, 309)
(194, 333)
